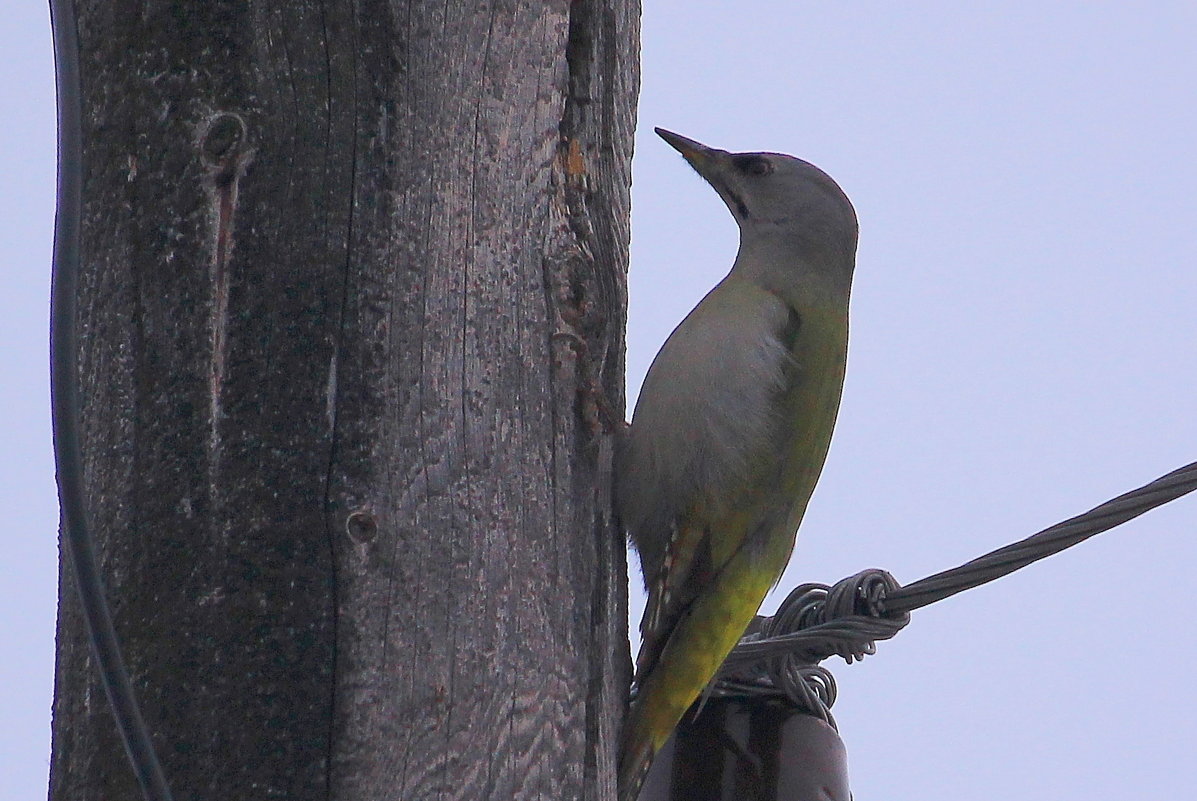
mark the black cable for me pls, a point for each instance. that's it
(1050, 541)
(64, 400)
(847, 619)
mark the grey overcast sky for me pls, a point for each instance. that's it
(1022, 349)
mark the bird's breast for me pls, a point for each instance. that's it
(726, 396)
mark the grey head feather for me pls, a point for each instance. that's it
(781, 203)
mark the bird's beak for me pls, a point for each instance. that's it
(702, 158)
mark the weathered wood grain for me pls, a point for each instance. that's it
(354, 274)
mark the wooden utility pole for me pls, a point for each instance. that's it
(353, 284)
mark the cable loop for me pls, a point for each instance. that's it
(781, 657)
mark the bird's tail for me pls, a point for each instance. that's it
(636, 757)
(690, 658)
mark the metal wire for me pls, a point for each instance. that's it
(780, 658)
(64, 398)
(1042, 545)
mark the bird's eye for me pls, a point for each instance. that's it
(753, 165)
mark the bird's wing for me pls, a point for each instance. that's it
(695, 552)
(685, 570)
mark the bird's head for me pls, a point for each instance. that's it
(776, 197)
